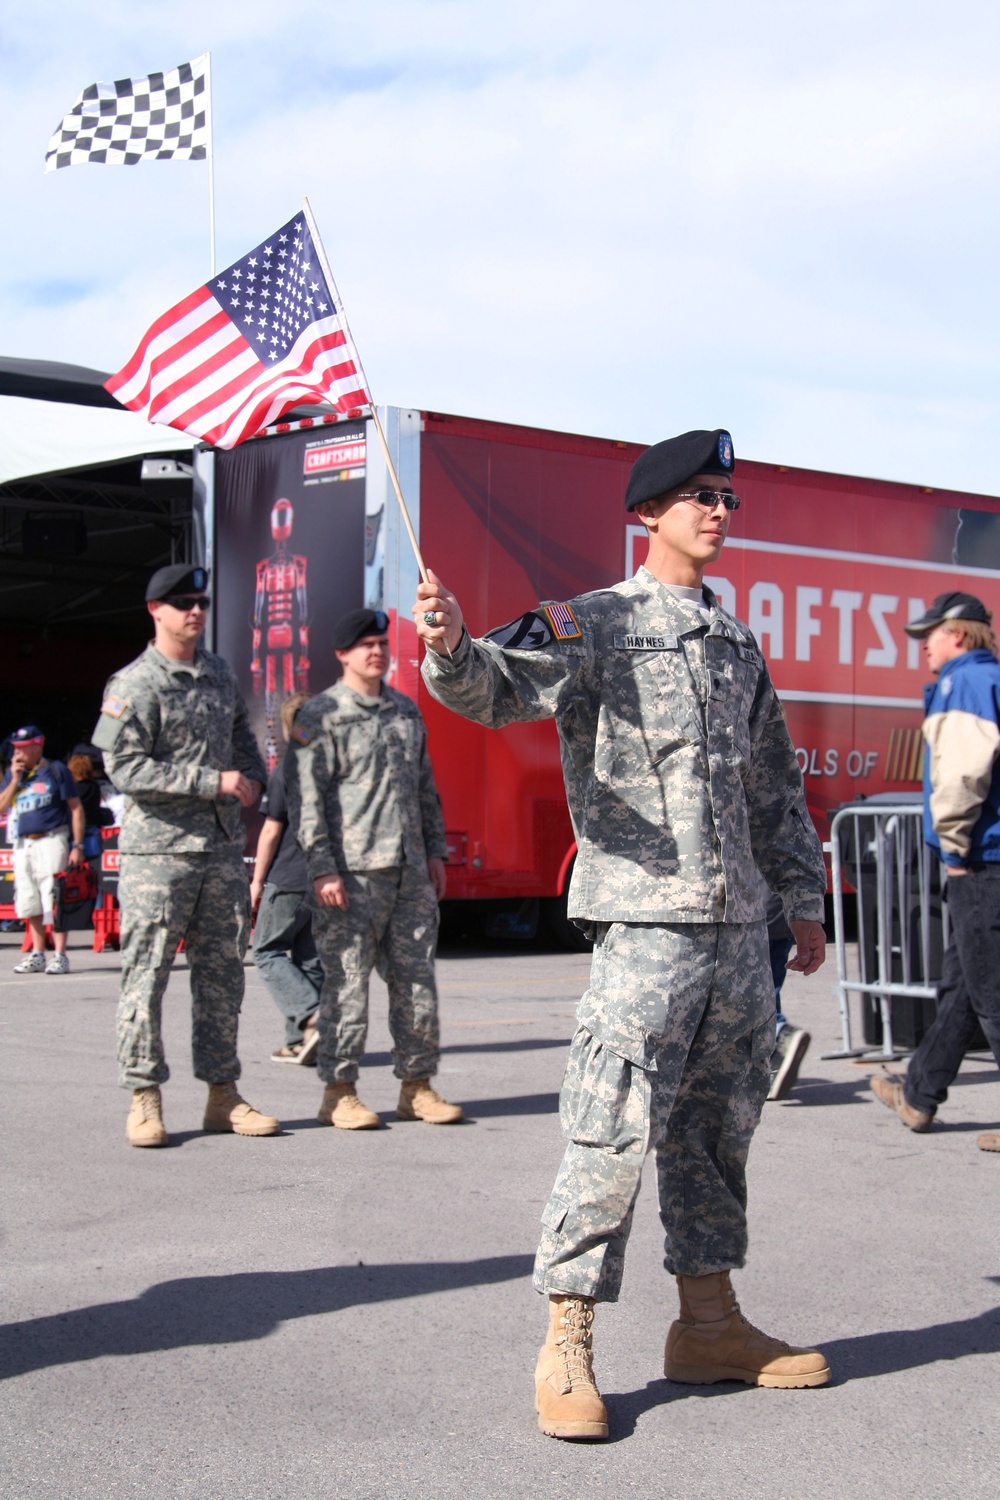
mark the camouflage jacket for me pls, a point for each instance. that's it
(361, 792)
(681, 779)
(168, 729)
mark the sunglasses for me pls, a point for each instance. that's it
(189, 601)
(709, 499)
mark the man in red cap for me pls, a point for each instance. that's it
(42, 801)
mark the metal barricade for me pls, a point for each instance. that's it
(902, 927)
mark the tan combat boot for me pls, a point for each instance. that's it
(989, 1141)
(889, 1090)
(226, 1111)
(144, 1126)
(712, 1340)
(568, 1402)
(418, 1101)
(342, 1107)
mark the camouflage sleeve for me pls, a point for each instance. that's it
(246, 753)
(132, 765)
(431, 816)
(309, 770)
(785, 846)
(127, 732)
(495, 684)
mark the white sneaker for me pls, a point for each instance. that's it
(31, 963)
(58, 964)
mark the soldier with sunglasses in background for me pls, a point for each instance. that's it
(177, 741)
(684, 791)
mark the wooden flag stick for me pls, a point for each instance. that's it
(399, 493)
(320, 251)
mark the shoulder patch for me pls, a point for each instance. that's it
(114, 707)
(529, 633)
(563, 622)
(301, 735)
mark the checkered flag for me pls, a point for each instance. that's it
(160, 118)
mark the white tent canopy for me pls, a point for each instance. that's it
(56, 416)
(40, 437)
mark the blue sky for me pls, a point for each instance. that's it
(623, 220)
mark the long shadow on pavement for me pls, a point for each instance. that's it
(231, 1309)
(865, 1357)
(525, 1044)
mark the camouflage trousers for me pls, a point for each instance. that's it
(693, 1092)
(390, 925)
(204, 899)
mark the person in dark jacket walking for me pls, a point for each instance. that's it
(962, 826)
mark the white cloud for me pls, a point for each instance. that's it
(779, 217)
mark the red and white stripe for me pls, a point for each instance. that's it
(195, 371)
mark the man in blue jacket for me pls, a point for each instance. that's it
(962, 826)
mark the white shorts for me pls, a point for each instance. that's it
(36, 861)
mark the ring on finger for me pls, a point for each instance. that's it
(430, 618)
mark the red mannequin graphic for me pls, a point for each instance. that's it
(280, 594)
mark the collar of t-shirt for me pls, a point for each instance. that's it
(694, 597)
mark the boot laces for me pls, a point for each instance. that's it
(574, 1344)
(756, 1333)
(149, 1103)
(733, 1310)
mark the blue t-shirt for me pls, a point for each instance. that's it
(40, 803)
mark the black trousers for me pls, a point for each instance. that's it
(969, 989)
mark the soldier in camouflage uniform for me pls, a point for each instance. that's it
(177, 742)
(364, 808)
(684, 791)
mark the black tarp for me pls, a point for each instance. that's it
(48, 380)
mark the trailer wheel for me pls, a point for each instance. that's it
(562, 927)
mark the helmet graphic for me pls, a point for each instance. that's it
(281, 521)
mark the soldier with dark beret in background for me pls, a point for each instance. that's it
(684, 791)
(177, 741)
(365, 810)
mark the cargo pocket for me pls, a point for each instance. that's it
(605, 1099)
(554, 1215)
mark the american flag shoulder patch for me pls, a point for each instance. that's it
(114, 707)
(563, 621)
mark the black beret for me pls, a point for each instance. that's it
(350, 628)
(180, 578)
(953, 606)
(666, 465)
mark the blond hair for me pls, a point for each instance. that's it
(976, 634)
(290, 708)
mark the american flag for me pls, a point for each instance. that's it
(266, 335)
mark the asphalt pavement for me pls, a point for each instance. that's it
(325, 1314)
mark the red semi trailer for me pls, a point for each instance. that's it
(825, 569)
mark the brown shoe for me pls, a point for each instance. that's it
(712, 1340)
(227, 1112)
(990, 1141)
(144, 1126)
(567, 1400)
(889, 1089)
(342, 1107)
(418, 1101)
